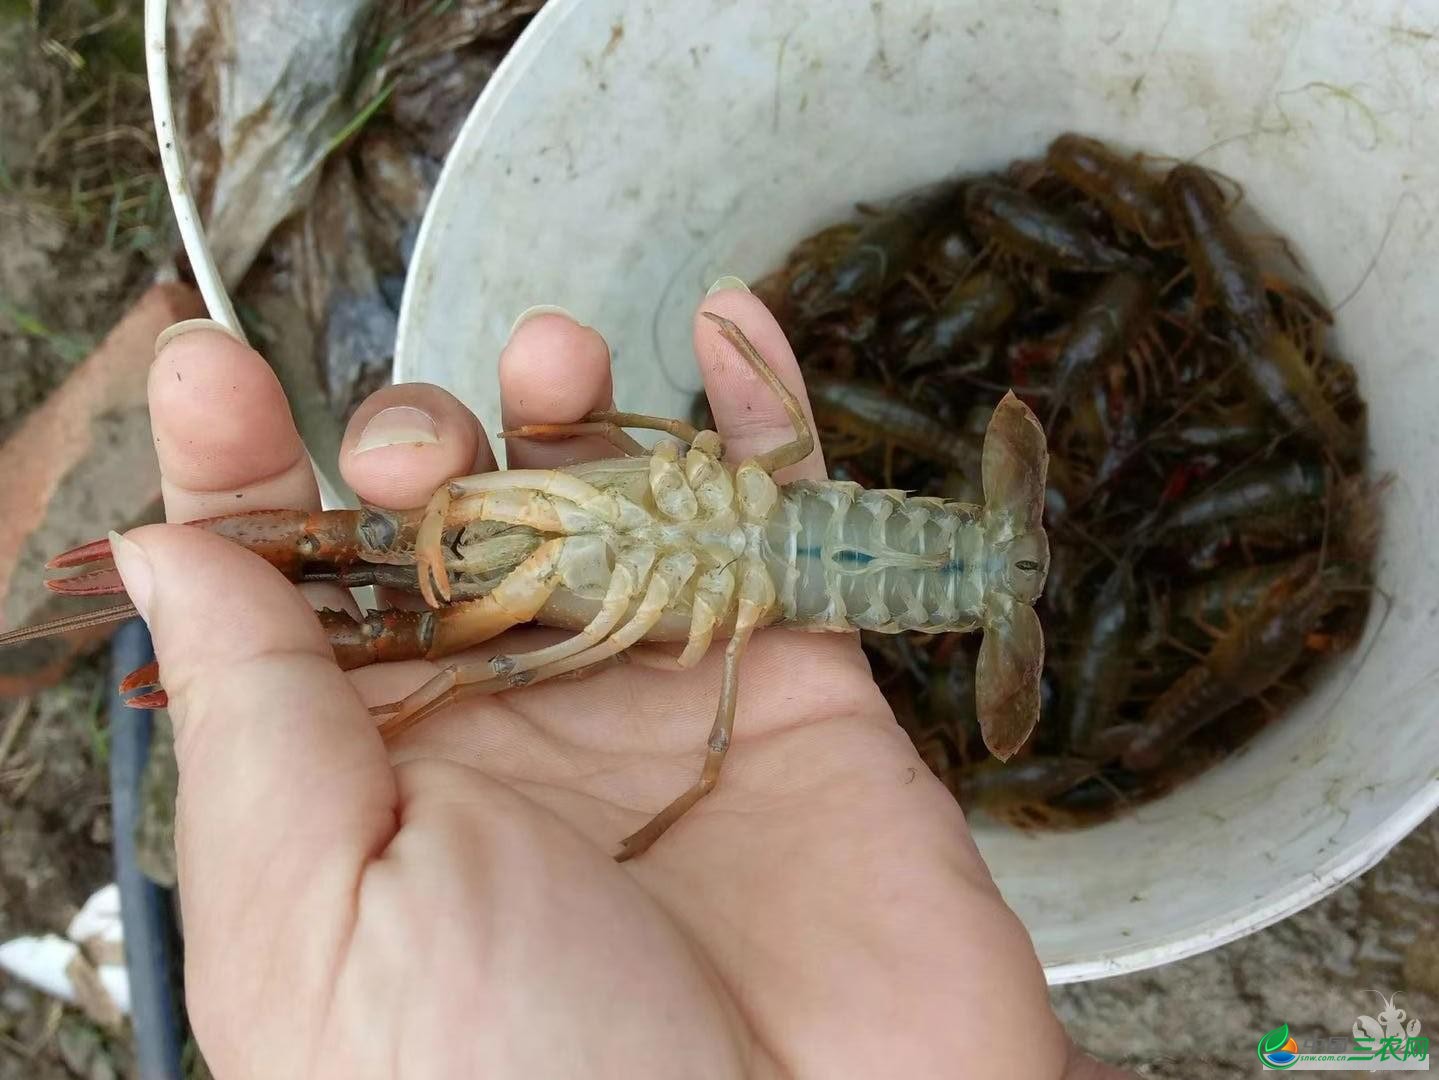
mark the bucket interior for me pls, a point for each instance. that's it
(619, 173)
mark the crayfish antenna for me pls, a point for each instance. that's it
(83, 621)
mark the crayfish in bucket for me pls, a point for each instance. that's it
(1212, 519)
(669, 544)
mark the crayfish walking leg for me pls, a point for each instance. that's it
(655, 570)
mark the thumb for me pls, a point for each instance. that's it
(286, 791)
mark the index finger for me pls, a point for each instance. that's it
(223, 432)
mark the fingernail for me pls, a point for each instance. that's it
(135, 571)
(729, 281)
(399, 425)
(170, 333)
(538, 310)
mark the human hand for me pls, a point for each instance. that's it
(449, 905)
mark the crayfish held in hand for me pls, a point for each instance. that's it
(669, 544)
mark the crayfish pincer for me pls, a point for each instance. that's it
(669, 544)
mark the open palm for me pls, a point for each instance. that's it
(449, 905)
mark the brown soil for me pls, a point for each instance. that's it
(75, 252)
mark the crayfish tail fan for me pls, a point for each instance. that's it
(1011, 658)
(1006, 680)
(1013, 465)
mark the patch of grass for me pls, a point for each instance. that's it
(69, 347)
(97, 726)
(397, 22)
(389, 36)
(252, 323)
(96, 168)
(360, 119)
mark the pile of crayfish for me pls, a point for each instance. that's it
(1210, 523)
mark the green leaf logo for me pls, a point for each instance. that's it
(1275, 1039)
(1274, 1042)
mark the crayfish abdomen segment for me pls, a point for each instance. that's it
(844, 557)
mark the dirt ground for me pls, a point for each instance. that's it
(81, 229)
(1201, 1019)
(55, 818)
(76, 248)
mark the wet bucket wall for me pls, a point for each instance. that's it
(624, 156)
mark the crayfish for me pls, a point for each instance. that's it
(669, 544)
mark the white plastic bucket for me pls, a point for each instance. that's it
(625, 155)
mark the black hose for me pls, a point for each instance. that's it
(146, 911)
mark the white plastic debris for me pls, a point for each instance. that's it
(41, 962)
(87, 969)
(98, 922)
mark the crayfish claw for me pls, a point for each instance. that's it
(155, 699)
(141, 688)
(94, 551)
(141, 677)
(102, 580)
